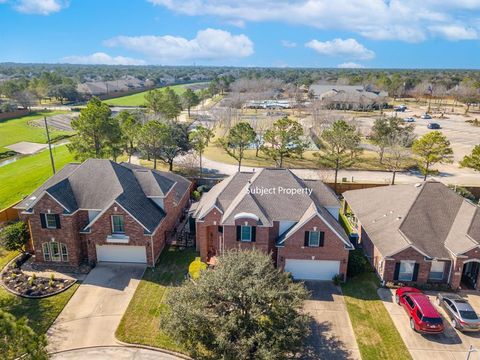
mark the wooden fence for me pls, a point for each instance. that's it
(8, 214)
(14, 114)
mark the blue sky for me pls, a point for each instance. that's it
(294, 33)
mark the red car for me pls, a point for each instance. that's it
(423, 316)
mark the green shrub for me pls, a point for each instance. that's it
(357, 263)
(196, 195)
(196, 267)
(337, 279)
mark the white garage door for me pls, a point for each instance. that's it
(312, 269)
(121, 253)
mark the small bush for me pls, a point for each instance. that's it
(337, 279)
(196, 195)
(357, 263)
(196, 267)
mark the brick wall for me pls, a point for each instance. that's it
(333, 249)
(457, 270)
(373, 255)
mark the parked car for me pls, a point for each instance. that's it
(400, 108)
(462, 315)
(433, 126)
(426, 116)
(423, 316)
(409, 119)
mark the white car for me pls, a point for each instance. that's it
(426, 116)
(409, 119)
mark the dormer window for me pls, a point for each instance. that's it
(50, 221)
(118, 225)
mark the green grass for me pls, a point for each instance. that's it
(141, 322)
(20, 178)
(376, 334)
(41, 313)
(138, 99)
(19, 129)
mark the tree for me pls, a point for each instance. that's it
(199, 138)
(130, 126)
(19, 341)
(173, 142)
(149, 140)
(384, 130)
(164, 102)
(339, 147)
(430, 149)
(98, 134)
(237, 141)
(283, 140)
(473, 160)
(15, 236)
(396, 154)
(244, 309)
(190, 99)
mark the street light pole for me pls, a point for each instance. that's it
(49, 145)
(470, 350)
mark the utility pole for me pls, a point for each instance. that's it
(49, 145)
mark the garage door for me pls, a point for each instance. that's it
(121, 253)
(312, 269)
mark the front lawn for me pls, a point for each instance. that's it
(21, 177)
(41, 313)
(141, 322)
(376, 334)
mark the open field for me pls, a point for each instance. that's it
(141, 323)
(20, 178)
(377, 336)
(139, 98)
(40, 312)
(19, 129)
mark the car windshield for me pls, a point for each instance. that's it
(433, 321)
(468, 315)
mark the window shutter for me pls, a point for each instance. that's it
(43, 221)
(57, 221)
(254, 233)
(307, 234)
(415, 272)
(239, 230)
(397, 271)
(322, 239)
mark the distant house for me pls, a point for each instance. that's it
(349, 97)
(126, 83)
(293, 220)
(269, 104)
(423, 233)
(103, 211)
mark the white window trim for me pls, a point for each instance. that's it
(46, 246)
(435, 272)
(241, 234)
(113, 226)
(54, 220)
(413, 270)
(61, 247)
(310, 239)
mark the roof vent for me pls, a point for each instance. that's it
(418, 184)
(32, 198)
(399, 218)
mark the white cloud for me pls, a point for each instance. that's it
(455, 32)
(289, 44)
(348, 48)
(101, 58)
(40, 7)
(208, 44)
(350, 65)
(406, 20)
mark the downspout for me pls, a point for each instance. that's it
(450, 272)
(153, 254)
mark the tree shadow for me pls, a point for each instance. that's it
(321, 345)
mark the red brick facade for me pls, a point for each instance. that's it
(82, 246)
(210, 241)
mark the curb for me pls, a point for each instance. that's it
(122, 345)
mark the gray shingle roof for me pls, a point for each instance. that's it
(428, 216)
(97, 183)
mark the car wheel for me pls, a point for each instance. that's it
(412, 324)
(454, 323)
(397, 299)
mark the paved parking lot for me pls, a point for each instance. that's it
(451, 345)
(332, 333)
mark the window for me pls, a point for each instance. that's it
(313, 238)
(406, 270)
(55, 251)
(51, 221)
(46, 251)
(246, 233)
(436, 270)
(409, 301)
(63, 249)
(419, 314)
(118, 227)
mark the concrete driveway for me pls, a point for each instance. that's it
(332, 333)
(451, 345)
(93, 313)
(114, 352)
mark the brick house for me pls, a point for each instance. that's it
(422, 233)
(294, 220)
(103, 211)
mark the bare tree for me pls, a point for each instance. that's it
(396, 154)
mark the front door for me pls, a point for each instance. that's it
(470, 274)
